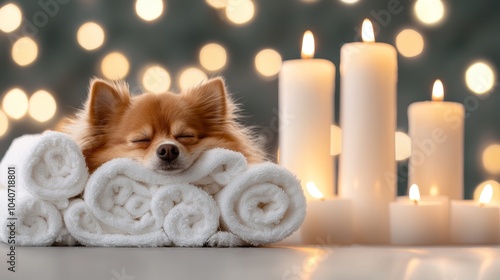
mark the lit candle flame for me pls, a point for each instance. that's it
(367, 32)
(414, 193)
(308, 45)
(438, 91)
(314, 191)
(486, 195)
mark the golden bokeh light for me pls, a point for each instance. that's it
(335, 140)
(268, 62)
(491, 158)
(217, 4)
(314, 191)
(350, 2)
(10, 17)
(156, 79)
(42, 106)
(191, 77)
(149, 10)
(90, 36)
(240, 12)
(409, 43)
(403, 146)
(495, 187)
(24, 51)
(429, 11)
(213, 57)
(4, 124)
(115, 66)
(15, 103)
(480, 77)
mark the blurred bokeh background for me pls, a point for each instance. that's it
(49, 49)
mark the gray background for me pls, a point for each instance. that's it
(469, 31)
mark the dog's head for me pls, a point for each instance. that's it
(165, 132)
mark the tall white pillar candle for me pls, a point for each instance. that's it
(306, 110)
(437, 159)
(368, 72)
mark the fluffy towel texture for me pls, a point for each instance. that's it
(188, 215)
(88, 230)
(38, 222)
(225, 239)
(264, 204)
(50, 166)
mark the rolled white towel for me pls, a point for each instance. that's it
(213, 170)
(35, 222)
(225, 239)
(119, 194)
(83, 225)
(265, 204)
(188, 215)
(50, 166)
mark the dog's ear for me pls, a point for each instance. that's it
(105, 100)
(211, 100)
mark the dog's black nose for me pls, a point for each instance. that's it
(167, 152)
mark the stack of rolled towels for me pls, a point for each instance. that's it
(219, 201)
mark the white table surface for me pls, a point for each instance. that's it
(322, 262)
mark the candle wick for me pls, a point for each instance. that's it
(415, 201)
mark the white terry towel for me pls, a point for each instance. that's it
(37, 222)
(82, 224)
(119, 194)
(265, 204)
(50, 166)
(213, 170)
(188, 215)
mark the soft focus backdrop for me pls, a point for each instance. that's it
(50, 48)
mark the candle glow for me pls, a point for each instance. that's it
(486, 195)
(367, 32)
(314, 191)
(308, 45)
(438, 91)
(414, 193)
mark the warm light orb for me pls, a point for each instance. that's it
(156, 79)
(268, 62)
(4, 124)
(10, 17)
(149, 10)
(480, 77)
(24, 51)
(15, 103)
(90, 36)
(240, 12)
(217, 4)
(491, 158)
(403, 146)
(350, 2)
(115, 66)
(409, 43)
(495, 187)
(486, 194)
(335, 140)
(191, 77)
(307, 45)
(213, 57)
(429, 11)
(438, 91)
(42, 106)
(367, 32)
(414, 193)
(314, 191)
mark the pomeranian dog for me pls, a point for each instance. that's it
(165, 132)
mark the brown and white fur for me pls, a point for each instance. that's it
(165, 132)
